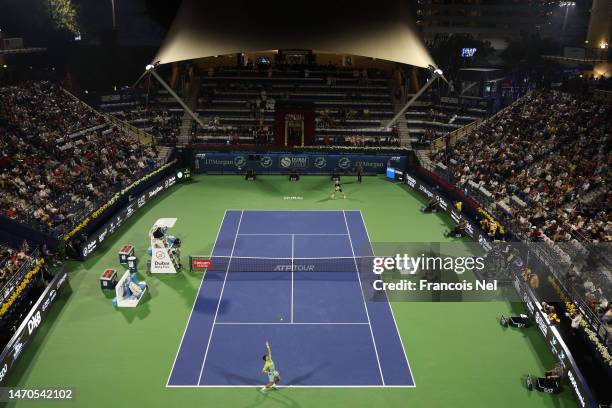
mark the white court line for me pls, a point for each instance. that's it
(365, 305)
(220, 297)
(293, 323)
(280, 211)
(292, 252)
(194, 303)
(258, 386)
(288, 259)
(305, 323)
(390, 308)
(279, 234)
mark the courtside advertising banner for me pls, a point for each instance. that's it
(30, 325)
(305, 163)
(471, 229)
(94, 240)
(510, 261)
(555, 342)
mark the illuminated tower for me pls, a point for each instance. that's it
(598, 36)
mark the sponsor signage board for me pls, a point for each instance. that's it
(312, 163)
(96, 238)
(30, 325)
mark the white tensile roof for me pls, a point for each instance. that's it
(378, 29)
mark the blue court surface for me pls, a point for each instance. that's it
(299, 279)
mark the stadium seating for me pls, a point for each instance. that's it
(238, 105)
(156, 112)
(542, 166)
(350, 104)
(59, 158)
(11, 261)
(429, 122)
(546, 158)
(20, 285)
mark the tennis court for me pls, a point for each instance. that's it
(299, 280)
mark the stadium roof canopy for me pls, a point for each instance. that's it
(379, 29)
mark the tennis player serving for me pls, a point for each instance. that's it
(337, 189)
(270, 369)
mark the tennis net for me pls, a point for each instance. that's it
(254, 264)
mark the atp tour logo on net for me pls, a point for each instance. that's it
(294, 268)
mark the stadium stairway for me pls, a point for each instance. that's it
(187, 122)
(402, 126)
(163, 153)
(185, 130)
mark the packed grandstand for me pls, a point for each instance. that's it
(56, 153)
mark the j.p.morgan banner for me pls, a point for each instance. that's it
(94, 240)
(312, 163)
(30, 325)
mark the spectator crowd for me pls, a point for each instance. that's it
(545, 161)
(59, 159)
(551, 150)
(11, 261)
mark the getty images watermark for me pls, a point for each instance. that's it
(470, 271)
(435, 272)
(408, 264)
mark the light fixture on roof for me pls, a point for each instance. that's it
(152, 66)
